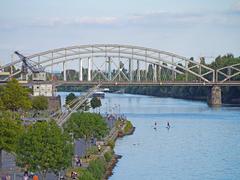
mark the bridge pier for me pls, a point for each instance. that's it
(109, 69)
(138, 72)
(89, 69)
(215, 98)
(64, 72)
(130, 70)
(154, 73)
(80, 70)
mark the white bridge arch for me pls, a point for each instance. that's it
(159, 60)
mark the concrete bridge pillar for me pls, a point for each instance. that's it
(109, 69)
(138, 72)
(80, 70)
(215, 98)
(154, 73)
(130, 70)
(89, 69)
(64, 72)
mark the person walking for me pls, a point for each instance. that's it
(8, 177)
(25, 176)
(35, 177)
(99, 148)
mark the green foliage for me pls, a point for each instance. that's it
(95, 102)
(92, 150)
(128, 127)
(10, 130)
(86, 175)
(108, 156)
(86, 125)
(39, 103)
(44, 148)
(1, 105)
(15, 97)
(111, 143)
(222, 61)
(97, 168)
(70, 97)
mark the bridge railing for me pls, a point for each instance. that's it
(74, 105)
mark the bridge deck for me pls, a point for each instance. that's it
(112, 83)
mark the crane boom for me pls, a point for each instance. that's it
(33, 67)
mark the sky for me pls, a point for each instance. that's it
(191, 28)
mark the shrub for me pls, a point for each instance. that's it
(97, 168)
(108, 156)
(128, 127)
(111, 143)
(86, 175)
(92, 150)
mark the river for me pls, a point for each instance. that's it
(202, 143)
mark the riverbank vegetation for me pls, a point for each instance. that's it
(43, 147)
(100, 164)
(86, 125)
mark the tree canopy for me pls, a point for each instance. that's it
(86, 125)
(10, 130)
(70, 97)
(39, 103)
(95, 102)
(15, 97)
(44, 148)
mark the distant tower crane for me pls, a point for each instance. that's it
(27, 64)
(36, 69)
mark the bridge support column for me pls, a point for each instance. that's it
(130, 70)
(89, 69)
(215, 98)
(154, 73)
(160, 73)
(109, 69)
(64, 72)
(80, 70)
(138, 72)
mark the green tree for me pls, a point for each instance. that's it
(10, 130)
(15, 97)
(1, 105)
(39, 103)
(70, 97)
(44, 148)
(95, 102)
(86, 125)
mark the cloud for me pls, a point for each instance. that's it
(152, 19)
(184, 19)
(58, 21)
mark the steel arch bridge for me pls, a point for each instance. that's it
(126, 64)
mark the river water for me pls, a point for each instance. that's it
(203, 143)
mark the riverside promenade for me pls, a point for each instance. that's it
(80, 149)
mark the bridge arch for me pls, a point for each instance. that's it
(162, 59)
